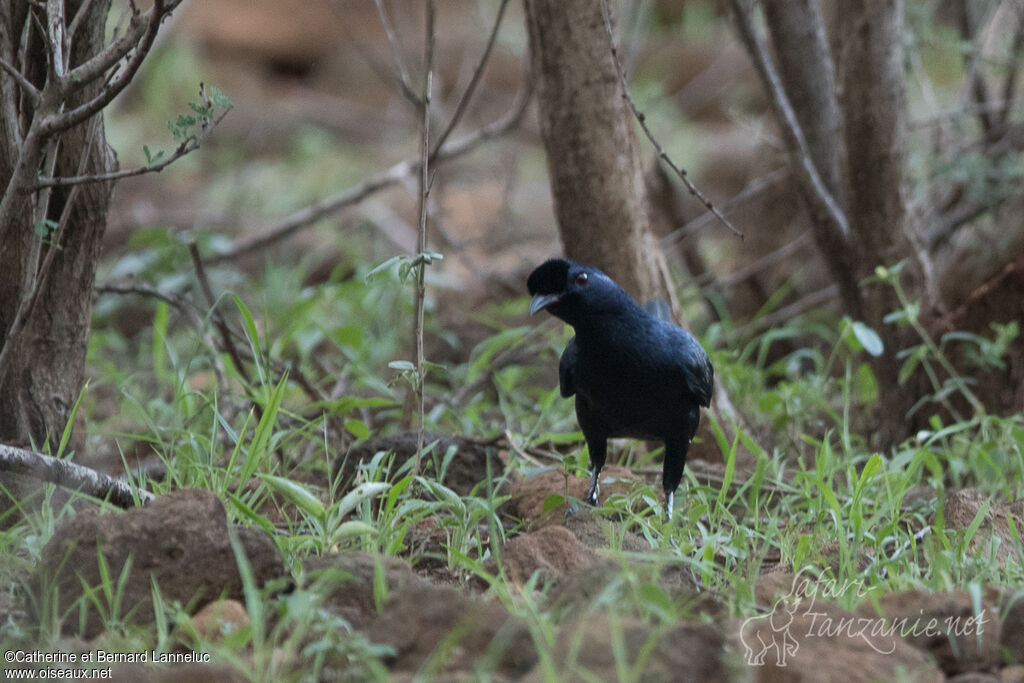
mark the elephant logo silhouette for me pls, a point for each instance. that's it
(764, 632)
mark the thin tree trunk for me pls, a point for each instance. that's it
(44, 351)
(592, 150)
(874, 104)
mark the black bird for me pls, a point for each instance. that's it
(634, 374)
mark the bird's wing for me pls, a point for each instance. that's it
(691, 362)
(567, 370)
(699, 377)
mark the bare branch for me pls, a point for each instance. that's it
(80, 14)
(460, 108)
(769, 182)
(398, 173)
(30, 90)
(69, 475)
(786, 116)
(59, 52)
(85, 73)
(832, 230)
(421, 233)
(185, 148)
(218, 318)
(642, 120)
(396, 55)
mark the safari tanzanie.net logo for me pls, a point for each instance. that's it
(794, 617)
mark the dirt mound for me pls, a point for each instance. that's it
(180, 542)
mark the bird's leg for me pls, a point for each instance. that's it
(594, 488)
(598, 452)
(672, 473)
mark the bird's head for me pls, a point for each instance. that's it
(570, 291)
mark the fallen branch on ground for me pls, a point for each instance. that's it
(69, 475)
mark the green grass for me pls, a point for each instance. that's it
(818, 498)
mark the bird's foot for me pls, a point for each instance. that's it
(592, 494)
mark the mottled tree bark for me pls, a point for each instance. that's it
(874, 106)
(592, 151)
(849, 154)
(797, 32)
(44, 351)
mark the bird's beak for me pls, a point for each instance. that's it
(542, 301)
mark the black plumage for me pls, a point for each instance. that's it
(633, 373)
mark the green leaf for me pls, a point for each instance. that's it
(867, 385)
(250, 322)
(160, 354)
(44, 228)
(551, 502)
(261, 438)
(874, 463)
(401, 365)
(298, 494)
(357, 495)
(972, 529)
(247, 512)
(358, 429)
(355, 528)
(386, 265)
(868, 338)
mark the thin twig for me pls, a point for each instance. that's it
(70, 475)
(642, 120)
(402, 77)
(64, 120)
(218, 319)
(186, 147)
(757, 186)
(80, 14)
(421, 241)
(30, 90)
(460, 108)
(398, 173)
(819, 193)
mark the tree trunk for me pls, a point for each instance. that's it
(874, 104)
(44, 347)
(592, 152)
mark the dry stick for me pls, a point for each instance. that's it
(764, 184)
(421, 241)
(218, 319)
(76, 21)
(824, 202)
(398, 173)
(69, 475)
(396, 55)
(467, 95)
(642, 120)
(26, 86)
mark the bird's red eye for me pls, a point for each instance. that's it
(581, 278)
